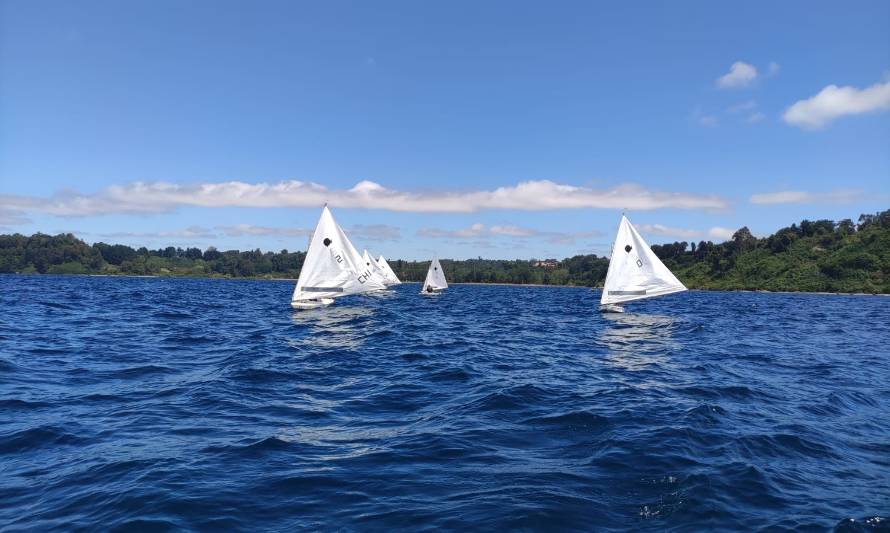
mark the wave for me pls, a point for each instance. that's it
(210, 404)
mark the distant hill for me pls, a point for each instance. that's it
(820, 255)
(816, 255)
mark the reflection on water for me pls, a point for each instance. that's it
(339, 441)
(336, 326)
(637, 340)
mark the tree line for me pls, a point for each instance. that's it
(820, 255)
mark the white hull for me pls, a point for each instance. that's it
(312, 304)
(611, 308)
(434, 292)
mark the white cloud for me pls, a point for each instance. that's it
(12, 217)
(755, 117)
(541, 195)
(479, 232)
(658, 229)
(834, 102)
(802, 197)
(716, 232)
(370, 232)
(740, 75)
(513, 231)
(720, 234)
(242, 230)
(191, 232)
(774, 68)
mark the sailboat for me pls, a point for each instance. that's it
(371, 264)
(332, 268)
(391, 278)
(435, 279)
(635, 272)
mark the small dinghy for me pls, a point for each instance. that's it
(635, 272)
(391, 278)
(375, 269)
(435, 279)
(332, 268)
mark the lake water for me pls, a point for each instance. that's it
(153, 404)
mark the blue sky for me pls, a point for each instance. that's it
(499, 129)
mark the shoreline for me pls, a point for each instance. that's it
(538, 285)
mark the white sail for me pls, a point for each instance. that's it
(333, 267)
(435, 277)
(391, 278)
(635, 272)
(371, 264)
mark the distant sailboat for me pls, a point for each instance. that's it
(391, 278)
(332, 268)
(635, 272)
(435, 279)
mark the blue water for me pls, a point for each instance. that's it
(154, 404)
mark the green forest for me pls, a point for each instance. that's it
(821, 255)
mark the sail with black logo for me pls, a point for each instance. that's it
(635, 272)
(435, 279)
(371, 264)
(332, 268)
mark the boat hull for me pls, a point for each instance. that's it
(434, 292)
(312, 304)
(611, 308)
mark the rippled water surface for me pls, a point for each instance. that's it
(209, 404)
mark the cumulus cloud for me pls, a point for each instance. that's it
(802, 197)
(541, 195)
(740, 75)
(833, 102)
(479, 232)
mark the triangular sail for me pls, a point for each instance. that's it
(635, 272)
(333, 267)
(435, 277)
(378, 272)
(391, 277)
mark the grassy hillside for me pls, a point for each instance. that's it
(812, 256)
